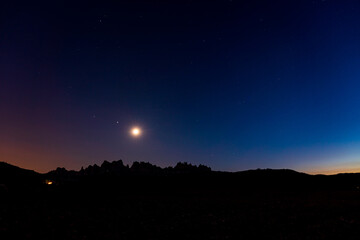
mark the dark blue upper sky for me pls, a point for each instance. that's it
(230, 84)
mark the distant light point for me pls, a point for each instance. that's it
(48, 182)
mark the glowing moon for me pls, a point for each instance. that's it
(135, 131)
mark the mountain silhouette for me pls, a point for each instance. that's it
(144, 201)
(181, 174)
(11, 175)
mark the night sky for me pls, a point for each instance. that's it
(234, 85)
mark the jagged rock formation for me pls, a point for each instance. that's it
(117, 168)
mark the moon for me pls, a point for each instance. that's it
(135, 132)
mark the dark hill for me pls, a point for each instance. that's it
(144, 201)
(14, 176)
(183, 175)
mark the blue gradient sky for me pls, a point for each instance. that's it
(231, 84)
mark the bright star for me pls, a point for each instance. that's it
(135, 131)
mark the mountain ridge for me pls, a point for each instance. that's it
(182, 174)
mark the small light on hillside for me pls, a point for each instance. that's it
(49, 182)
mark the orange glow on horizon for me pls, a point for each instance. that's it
(334, 171)
(33, 157)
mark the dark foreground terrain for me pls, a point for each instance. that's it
(185, 202)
